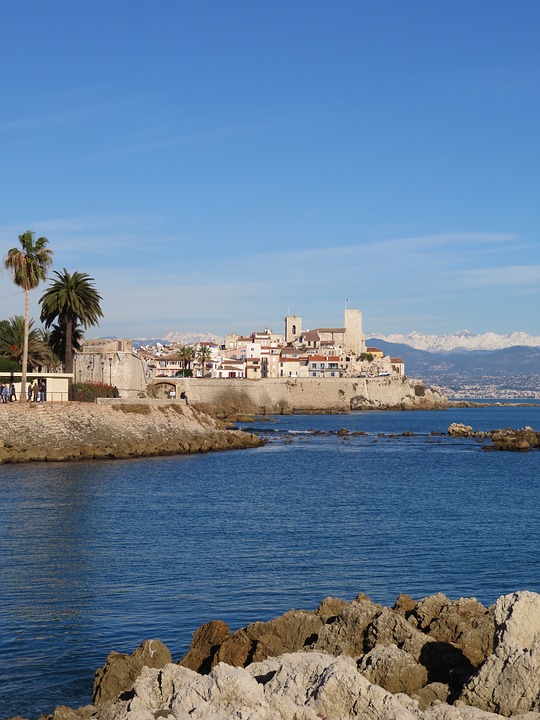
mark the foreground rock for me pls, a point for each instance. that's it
(41, 431)
(435, 659)
(509, 681)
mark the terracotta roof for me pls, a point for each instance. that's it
(310, 335)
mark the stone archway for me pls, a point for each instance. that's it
(163, 389)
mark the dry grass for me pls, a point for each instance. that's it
(136, 409)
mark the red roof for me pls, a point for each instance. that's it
(324, 358)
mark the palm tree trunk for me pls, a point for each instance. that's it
(68, 360)
(25, 345)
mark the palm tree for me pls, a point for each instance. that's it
(56, 339)
(28, 265)
(71, 300)
(12, 342)
(187, 356)
(203, 355)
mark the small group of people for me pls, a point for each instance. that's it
(7, 393)
(37, 392)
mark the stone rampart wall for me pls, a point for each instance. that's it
(280, 395)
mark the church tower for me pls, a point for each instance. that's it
(354, 340)
(293, 328)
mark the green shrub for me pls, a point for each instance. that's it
(8, 365)
(88, 392)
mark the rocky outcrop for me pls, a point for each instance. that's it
(77, 431)
(258, 641)
(435, 659)
(298, 686)
(509, 681)
(516, 440)
(120, 670)
(443, 640)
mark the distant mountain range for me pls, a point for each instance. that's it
(510, 372)
(461, 341)
(187, 338)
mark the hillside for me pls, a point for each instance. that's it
(512, 372)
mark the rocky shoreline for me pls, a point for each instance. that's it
(83, 431)
(432, 659)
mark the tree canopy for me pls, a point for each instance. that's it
(12, 342)
(71, 300)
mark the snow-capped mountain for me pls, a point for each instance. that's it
(187, 338)
(461, 341)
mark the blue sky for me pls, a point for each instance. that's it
(215, 165)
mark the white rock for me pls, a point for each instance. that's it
(517, 619)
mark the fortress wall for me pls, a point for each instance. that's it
(277, 395)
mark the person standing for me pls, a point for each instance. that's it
(12, 393)
(30, 392)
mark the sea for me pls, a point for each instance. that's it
(99, 556)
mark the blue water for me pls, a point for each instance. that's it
(100, 556)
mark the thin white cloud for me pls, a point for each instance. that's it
(504, 277)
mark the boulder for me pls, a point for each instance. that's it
(444, 662)
(465, 623)
(329, 608)
(120, 670)
(345, 632)
(509, 681)
(517, 619)
(460, 430)
(393, 669)
(389, 628)
(205, 643)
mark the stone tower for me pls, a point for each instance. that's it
(354, 340)
(293, 328)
